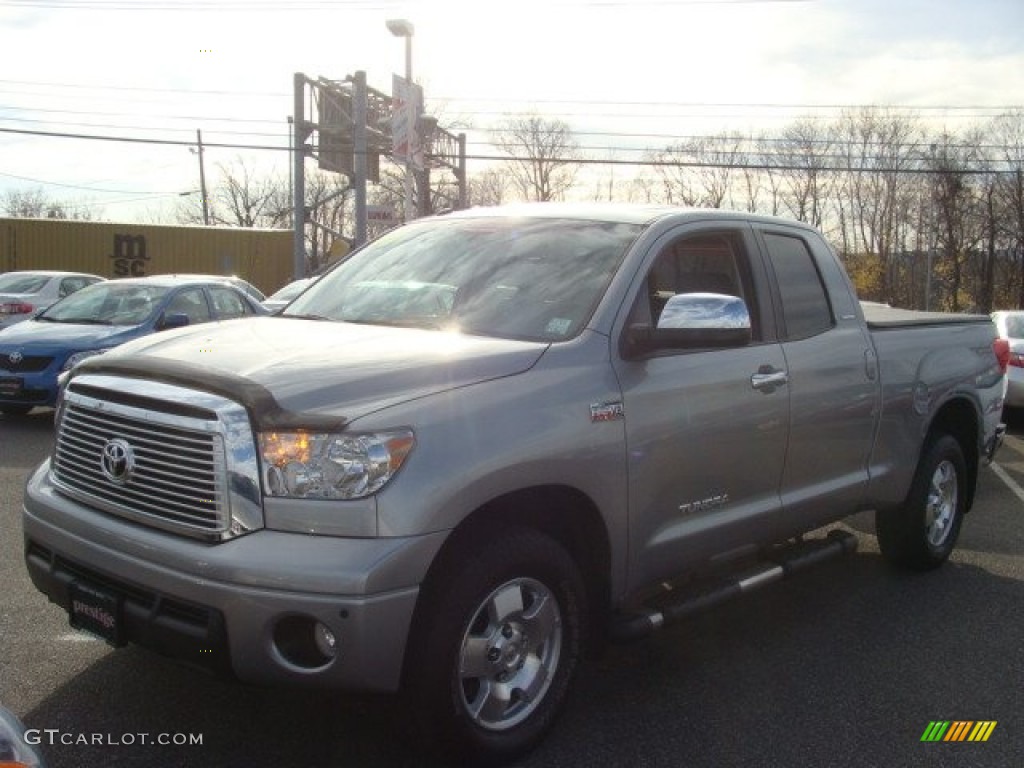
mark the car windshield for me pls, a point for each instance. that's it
(290, 291)
(110, 303)
(247, 288)
(524, 278)
(22, 283)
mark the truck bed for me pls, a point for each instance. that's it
(881, 317)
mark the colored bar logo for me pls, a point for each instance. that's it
(958, 730)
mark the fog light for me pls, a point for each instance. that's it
(304, 642)
(325, 640)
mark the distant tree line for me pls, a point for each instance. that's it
(36, 204)
(922, 218)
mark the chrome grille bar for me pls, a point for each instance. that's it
(189, 475)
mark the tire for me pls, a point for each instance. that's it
(495, 646)
(922, 533)
(15, 410)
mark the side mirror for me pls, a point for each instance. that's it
(694, 321)
(173, 320)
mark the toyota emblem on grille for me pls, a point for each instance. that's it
(15, 357)
(117, 460)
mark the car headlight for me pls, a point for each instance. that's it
(78, 357)
(312, 465)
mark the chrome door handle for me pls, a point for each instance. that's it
(767, 379)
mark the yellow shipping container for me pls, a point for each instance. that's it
(261, 256)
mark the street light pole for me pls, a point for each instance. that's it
(291, 166)
(202, 177)
(404, 28)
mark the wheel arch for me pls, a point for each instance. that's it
(959, 419)
(565, 514)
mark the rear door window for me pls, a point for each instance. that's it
(806, 310)
(227, 303)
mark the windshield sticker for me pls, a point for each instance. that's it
(559, 326)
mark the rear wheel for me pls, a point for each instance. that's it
(495, 647)
(923, 532)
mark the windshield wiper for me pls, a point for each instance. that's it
(304, 317)
(81, 321)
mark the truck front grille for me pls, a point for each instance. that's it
(176, 475)
(130, 448)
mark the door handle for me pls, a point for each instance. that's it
(768, 378)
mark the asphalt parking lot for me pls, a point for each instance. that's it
(844, 665)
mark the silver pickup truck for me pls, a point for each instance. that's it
(488, 440)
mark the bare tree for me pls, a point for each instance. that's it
(243, 198)
(329, 201)
(752, 180)
(1007, 137)
(543, 156)
(772, 178)
(489, 187)
(672, 168)
(805, 151)
(881, 149)
(718, 159)
(35, 204)
(957, 206)
(707, 171)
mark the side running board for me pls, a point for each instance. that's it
(780, 564)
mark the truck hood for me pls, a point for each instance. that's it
(316, 374)
(32, 334)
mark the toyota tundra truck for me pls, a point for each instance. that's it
(488, 441)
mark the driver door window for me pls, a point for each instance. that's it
(714, 263)
(190, 302)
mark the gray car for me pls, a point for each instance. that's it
(1010, 325)
(283, 297)
(24, 293)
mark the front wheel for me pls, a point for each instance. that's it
(495, 647)
(923, 532)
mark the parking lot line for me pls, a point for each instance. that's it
(1008, 481)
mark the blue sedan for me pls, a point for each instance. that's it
(34, 353)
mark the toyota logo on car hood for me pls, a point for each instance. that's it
(117, 460)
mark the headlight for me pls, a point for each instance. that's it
(78, 357)
(331, 466)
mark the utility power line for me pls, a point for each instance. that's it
(760, 166)
(661, 103)
(78, 186)
(675, 141)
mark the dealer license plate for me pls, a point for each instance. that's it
(96, 611)
(10, 386)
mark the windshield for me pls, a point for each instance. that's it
(22, 283)
(110, 303)
(520, 278)
(291, 290)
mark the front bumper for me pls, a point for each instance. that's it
(37, 389)
(241, 607)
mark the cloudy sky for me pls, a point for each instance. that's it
(625, 74)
